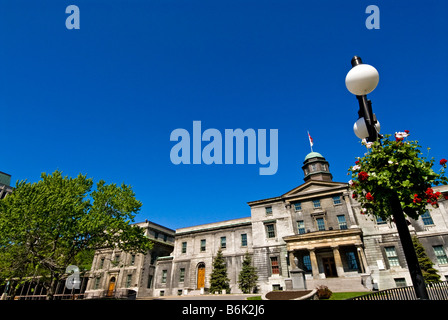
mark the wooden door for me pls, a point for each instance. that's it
(201, 276)
(329, 267)
(110, 290)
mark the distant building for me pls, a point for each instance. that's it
(318, 224)
(5, 181)
(115, 272)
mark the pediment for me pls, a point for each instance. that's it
(315, 188)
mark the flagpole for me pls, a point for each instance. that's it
(311, 144)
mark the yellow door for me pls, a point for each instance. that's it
(201, 276)
(110, 290)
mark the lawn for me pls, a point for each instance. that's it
(345, 295)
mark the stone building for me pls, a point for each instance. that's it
(5, 181)
(316, 229)
(114, 272)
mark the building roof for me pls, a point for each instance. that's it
(313, 155)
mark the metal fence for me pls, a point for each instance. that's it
(436, 291)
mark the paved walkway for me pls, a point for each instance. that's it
(204, 297)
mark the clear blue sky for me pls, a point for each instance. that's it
(103, 100)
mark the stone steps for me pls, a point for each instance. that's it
(349, 284)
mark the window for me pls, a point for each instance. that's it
(97, 283)
(324, 167)
(184, 247)
(427, 220)
(132, 259)
(342, 222)
(400, 282)
(181, 274)
(313, 167)
(316, 203)
(223, 242)
(203, 245)
(440, 254)
(128, 280)
(337, 200)
(380, 220)
(117, 258)
(101, 263)
(274, 265)
(307, 262)
(270, 230)
(164, 273)
(149, 283)
(320, 224)
(297, 206)
(276, 287)
(351, 261)
(165, 237)
(156, 235)
(392, 256)
(244, 240)
(268, 210)
(301, 227)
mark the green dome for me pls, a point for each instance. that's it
(313, 155)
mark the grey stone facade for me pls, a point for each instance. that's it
(115, 272)
(317, 225)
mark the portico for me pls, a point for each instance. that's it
(329, 253)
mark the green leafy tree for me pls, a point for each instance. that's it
(247, 279)
(60, 221)
(396, 167)
(218, 277)
(426, 265)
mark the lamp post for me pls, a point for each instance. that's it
(361, 80)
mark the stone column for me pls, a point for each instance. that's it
(314, 265)
(338, 261)
(362, 259)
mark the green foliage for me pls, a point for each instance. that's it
(426, 265)
(396, 166)
(247, 279)
(218, 277)
(59, 221)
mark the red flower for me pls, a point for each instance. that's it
(417, 199)
(363, 176)
(443, 162)
(369, 196)
(354, 196)
(407, 131)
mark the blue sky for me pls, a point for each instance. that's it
(104, 99)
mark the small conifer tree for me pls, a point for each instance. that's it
(218, 277)
(426, 265)
(247, 279)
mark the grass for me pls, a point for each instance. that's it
(345, 295)
(334, 296)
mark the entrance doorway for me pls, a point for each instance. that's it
(201, 276)
(329, 267)
(111, 288)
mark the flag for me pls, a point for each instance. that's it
(311, 139)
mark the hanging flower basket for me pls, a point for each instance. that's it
(396, 166)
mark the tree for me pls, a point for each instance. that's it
(247, 279)
(426, 265)
(60, 221)
(218, 277)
